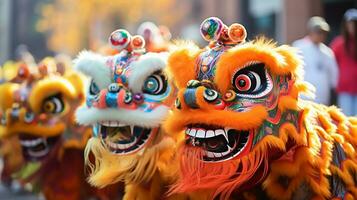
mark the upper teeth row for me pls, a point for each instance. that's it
(202, 133)
(112, 123)
(120, 146)
(32, 143)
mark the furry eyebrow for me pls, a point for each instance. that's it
(94, 65)
(145, 66)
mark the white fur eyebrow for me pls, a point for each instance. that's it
(94, 65)
(87, 116)
(145, 66)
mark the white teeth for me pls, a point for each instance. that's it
(209, 154)
(112, 124)
(209, 134)
(32, 143)
(120, 146)
(217, 155)
(38, 153)
(132, 130)
(221, 132)
(192, 132)
(200, 133)
(213, 155)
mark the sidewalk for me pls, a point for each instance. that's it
(5, 194)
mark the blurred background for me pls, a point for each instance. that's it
(47, 27)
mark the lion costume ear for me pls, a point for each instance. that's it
(6, 97)
(181, 63)
(77, 81)
(292, 61)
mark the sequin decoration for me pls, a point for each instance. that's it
(119, 39)
(207, 63)
(211, 28)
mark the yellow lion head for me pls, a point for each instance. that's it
(235, 100)
(38, 105)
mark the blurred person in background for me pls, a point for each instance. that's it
(320, 65)
(344, 47)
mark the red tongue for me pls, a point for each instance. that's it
(212, 144)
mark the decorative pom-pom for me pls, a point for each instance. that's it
(119, 39)
(237, 32)
(211, 28)
(137, 42)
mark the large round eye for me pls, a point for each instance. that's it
(155, 84)
(93, 88)
(252, 81)
(53, 104)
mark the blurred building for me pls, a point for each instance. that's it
(5, 13)
(283, 20)
(17, 28)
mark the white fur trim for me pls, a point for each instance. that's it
(145, 66)
(94, 65)
(87, 116)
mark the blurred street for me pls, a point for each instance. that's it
(5, 194)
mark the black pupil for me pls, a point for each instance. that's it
(94, 89)
(242, 83)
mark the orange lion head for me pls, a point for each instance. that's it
(234, 98)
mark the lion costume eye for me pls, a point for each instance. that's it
(93, 88)
(252, 81)
(155, 84)
(53, 104)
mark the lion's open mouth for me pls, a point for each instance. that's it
(36, 148)
(124, 139)
(218, 143)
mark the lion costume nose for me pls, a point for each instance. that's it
(201, 94)
(118, 96)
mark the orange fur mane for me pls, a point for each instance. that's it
(282, 163)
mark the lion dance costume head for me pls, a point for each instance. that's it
(127, 100)
(38, 106)
(247, 132)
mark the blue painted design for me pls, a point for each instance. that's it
(95, 130)
(89, 101)
(190, 97)
(157, 98)
(111, 99)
